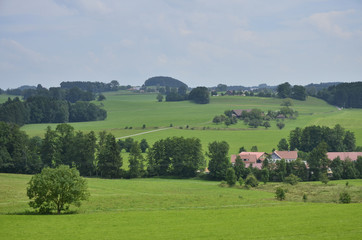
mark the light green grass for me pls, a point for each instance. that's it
(134, 110)
(177, 209)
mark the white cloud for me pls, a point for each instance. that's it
(331, 22)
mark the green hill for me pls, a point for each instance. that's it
(133, 110)
(164, 81)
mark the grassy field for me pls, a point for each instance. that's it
(184, 209)
(134, 110)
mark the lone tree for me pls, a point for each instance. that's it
(56, 189)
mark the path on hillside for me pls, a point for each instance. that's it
(144, 133)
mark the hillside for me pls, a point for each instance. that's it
(133, 110)
(163, 82)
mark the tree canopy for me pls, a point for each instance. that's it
(200, 95)
(164, 81)
(56, 189)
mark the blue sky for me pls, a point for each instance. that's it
(200, 42)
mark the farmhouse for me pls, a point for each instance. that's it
(254, 158)
(238, 112)
(344, 155)
(288, 156)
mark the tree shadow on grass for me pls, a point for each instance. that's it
(27, 212)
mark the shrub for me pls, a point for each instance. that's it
(251, 180)
(344, 197)
(305, 198)
(324, 178)
(280, 194)
(292, 179)
(230, 176)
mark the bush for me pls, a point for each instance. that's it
(324, 178)
(292, 179)
(230, 176)
(280, 194)
(344, 197)
(305, 197)
(251, 180)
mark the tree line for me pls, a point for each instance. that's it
(55, 105)
(346, 95)
(200, 95)
(100, 155)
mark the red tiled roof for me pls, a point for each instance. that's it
(344, 155)
(251, 156)
(287, 154)
(255, 165)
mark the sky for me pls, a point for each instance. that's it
(200, 42)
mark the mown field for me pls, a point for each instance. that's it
(127, 110)
(186, 209)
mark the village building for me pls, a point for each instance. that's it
(344, 155)
(288, 156)
(254, 158)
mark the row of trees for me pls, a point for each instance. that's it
(41, 109)
(306, 139)
(176, 156)
(286, 90)
(198, 95)
(347, 95)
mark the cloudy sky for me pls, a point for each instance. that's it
(200, 42)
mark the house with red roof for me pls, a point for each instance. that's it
(254, 158)
(288, 156)
(344, 155)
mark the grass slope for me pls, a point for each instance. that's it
(134, 110)
(179, 209)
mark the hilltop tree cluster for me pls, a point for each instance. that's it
(347, 95)
(297, 92)
(55, 105)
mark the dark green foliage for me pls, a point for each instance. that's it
(349, 170)
(344, 197)
(109, 158)
(280, 125)
(14, 111)
(85, 111)
(239, 168)
(337, 168)
(135, 161)
(159, 97)
(51, 106)
(254, 149)
(219, 160)
(266, 124)
(101, 97)
(128, 142)
(305, 197)
(164, 81)
(292, 179)
(295, 139)
(298, 93)
(283, 145)
(280, 194)
(318, 161)
(284, 90)
(176, 156)
(324, 178)
(56, 189)
(347, 95)
(95, 87)
(230, 176)
(200, 95)
(144, 145)
(251, 181)
(265, 175)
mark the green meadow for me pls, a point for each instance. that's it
(185, 209)
(126, 110)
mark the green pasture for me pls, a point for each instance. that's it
(127, 110)
(183, 209)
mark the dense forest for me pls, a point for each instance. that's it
(346, 95)
(95, 87)
(55, 105)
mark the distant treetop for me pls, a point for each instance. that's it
(164, 81)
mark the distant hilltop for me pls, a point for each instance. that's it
(164, 81)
